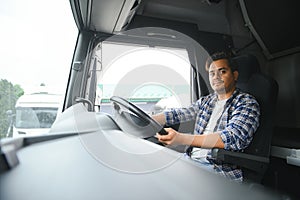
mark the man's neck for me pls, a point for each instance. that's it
(225, 95)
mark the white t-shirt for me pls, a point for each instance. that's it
(200, 154)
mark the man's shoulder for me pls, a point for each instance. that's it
(244, 96)
(207, 98)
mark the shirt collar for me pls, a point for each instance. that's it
(234, 94)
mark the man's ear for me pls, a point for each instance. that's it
(236, 75)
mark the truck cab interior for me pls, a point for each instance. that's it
(116, 83)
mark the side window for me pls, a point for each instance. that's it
(153, 78)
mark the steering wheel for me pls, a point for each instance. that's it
(148, 126)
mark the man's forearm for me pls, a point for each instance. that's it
(160, 118)
(204, 141)
(208, 141)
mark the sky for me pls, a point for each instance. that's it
(37, 41)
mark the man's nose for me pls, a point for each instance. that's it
(217, 75)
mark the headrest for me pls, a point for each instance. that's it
(247, 66)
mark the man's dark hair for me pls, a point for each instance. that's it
(221, 55)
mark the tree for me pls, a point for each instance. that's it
(9, 95)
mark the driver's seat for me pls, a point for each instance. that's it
(255, 159)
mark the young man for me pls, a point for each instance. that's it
(226, 119)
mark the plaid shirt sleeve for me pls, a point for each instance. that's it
(179, 115)
(242, 122)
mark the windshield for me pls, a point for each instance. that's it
(35, 117)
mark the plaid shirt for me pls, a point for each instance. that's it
(236, 126)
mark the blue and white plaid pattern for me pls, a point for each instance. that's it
(237, 124)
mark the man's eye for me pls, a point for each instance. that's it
(223, 71)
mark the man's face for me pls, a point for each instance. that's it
(221, 78)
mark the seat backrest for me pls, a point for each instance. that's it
(265, 89)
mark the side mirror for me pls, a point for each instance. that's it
(10, 119)
(10, 115)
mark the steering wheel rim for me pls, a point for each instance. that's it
(137, 111)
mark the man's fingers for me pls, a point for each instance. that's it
(167, 139)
